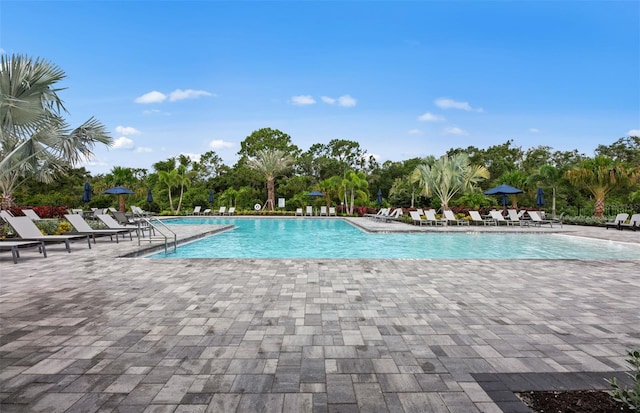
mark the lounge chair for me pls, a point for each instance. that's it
(82, 227)
(381, 212)
(617, 222)
(332, 211)
(416, 218)
(31, 214)
(634, 223)
(536, 219)
(222, 210)
(298, 211)
(113, 224)
(121, 217)
(431, 219)
(392, 216)
(28, 231)
(231, 211)
(309, 210)
(139, 212)
(206, 211)
(476, 218)
(196, 210)
(323, 210)
(15, 246)
(450, 217)
(514, 218)
(498, 218)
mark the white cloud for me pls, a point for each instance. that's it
(430, 117)
(151, 111)
(180, 94)
(445, 103)
(220, 144)
(454, 131)
(346, 101)
(143, 149)
(534, 130)
(151, 97)
(122, 143)
(414, 132)
(303, 100)
(127, 130)
(634, 132)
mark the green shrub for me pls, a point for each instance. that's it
(630, 396)
(48, 226)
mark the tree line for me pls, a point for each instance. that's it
(40, 153)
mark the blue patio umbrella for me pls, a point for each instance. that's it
(540, 197)
(149, 196)
(86, 194)
(315, 193)
(121, 192)
(211, 196)
(379, 196)
(503, 190)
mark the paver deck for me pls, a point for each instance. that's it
(89, 331)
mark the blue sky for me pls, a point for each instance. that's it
(404, 79)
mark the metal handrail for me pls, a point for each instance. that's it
(158, 226)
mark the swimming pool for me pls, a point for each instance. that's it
(336, 238)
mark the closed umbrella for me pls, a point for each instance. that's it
(379, 196)
(540, 197)
(121, 192)
(211, 196)
(149, 196)
(86, 194)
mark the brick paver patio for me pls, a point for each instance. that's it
(91, 332)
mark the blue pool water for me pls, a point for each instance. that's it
(335, 238)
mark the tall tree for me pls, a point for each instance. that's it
(448, 176)
(122, 176)
(169, 179)
(270, 164)
(355, 186)
(35, 140)
(549, 175)
(600, 176)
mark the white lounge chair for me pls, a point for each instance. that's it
(634, 223)
(309, 210)
(28, 231)
(299, 211)
(31, 214)
(416, 218)
(476, 218)
(498, 218)
(206, 211)
(14, 247)
(231, 211)
(450, 217)
(381, 212)
(332, 211)
(82, 227)
(431, 218)
(536, 219)
(513, 217)
(222, 210)
(323, 210)
(196, 210)
(618, 221)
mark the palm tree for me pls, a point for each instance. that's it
(170, 179)
(121, 176)
(270, 164)
(354, 185)
(184, 181)
(35, 141)
(331, 188)
(549, 175)
(600, 176)
(447, 176)
(517, 179)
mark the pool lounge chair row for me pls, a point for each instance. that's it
(30, 235)
(620, 222)
(197, 210)
(428, 217)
